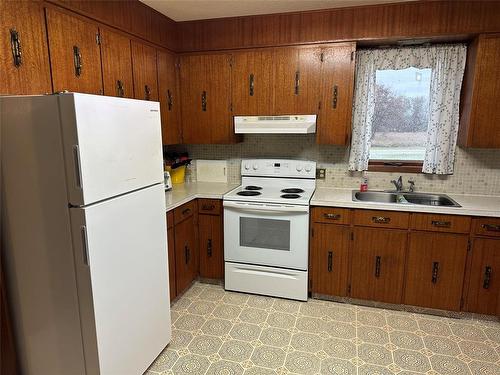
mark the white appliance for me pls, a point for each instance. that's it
(84, 234)
(293, 124)
(266, 228)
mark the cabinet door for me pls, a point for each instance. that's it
(171, 263)
(484, 284)
(378, 260)
(297, 80)
(337, 85)
(168, 89)
(185, 254)
(24, 55)
(144, 72)
(210, 246)
(435, 270)
(116, 64)
(329, 259)
(252, 77)
(75, 56)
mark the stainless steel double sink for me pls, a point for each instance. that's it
(425, 199)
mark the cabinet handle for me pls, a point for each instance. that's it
(204, 101)
(15, 44)
(251, 84)
(435, 271)
(332, 216)
(297, 82)
(441, 224)
(120, 91)
(186, 253)
(335, 96)
(381, 219)
(170, 101)
(487, 277)
(186, 211)
(377, 265)
(330, 261)
(491, 227)
(209, 247)
(77, 59)
(147, 92)
(208, 207)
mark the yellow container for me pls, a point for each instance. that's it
(178, 174)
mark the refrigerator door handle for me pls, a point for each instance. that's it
(78, 170)
(85, 243)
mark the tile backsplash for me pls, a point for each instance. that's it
(477, 171)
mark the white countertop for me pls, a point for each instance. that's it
(183, 193)
(473, 205)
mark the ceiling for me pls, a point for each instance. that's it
(186, 10)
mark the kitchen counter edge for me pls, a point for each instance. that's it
(184, 193)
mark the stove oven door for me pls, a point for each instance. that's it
(266, 234)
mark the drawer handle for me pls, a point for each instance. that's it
(491, 227)
(209, 247)
(330, 261)
(186, 253)
(441, 224)
(251, 85)
(147, 92)
(120, 90)
(204, 101)
(170, 100)
(208, 207)
(186, 211)
(332, 216)
(435, 271)
(335, 96)
(77, 60)
(487, 277)
(378, 260)
(297, 83)
(381, 219)
(15, 44)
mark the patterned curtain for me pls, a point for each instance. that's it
(448, 64)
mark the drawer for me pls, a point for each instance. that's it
(209, 206)
(170, 219)
(183, 212)
(486, 227)
(381, 219)
(331, 215)
(441, 223)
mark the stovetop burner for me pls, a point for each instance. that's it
(292, 190)
(290, 196)
(248, 193)
(252, 187)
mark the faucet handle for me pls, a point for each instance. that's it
(412, 185)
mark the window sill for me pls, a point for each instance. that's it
(413, 166)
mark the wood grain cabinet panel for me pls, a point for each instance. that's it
(441, 223)
(186, 267)
(483, 295)
(24, 54)
(336, 94)
(435, 270)
(144, 71)
(183, 212)
(381, 219)
(170, 104)
(331, 215)
(210, 246)
(329, 259)
(486, 226)
(210, 206)
(252, 78)
(75, 55)
(116, 64)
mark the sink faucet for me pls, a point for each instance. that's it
(398, 184)
(411, 189)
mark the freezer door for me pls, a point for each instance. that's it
(122, 273)
(112, 146)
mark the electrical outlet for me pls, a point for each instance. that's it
(320, 173)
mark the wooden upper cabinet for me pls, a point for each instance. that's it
(144, 71)
(297, 80)
(74, 53)
(252, 78)
(336, 94)
(168, 91)
(480, 117)
(24, 55)
(116, 64)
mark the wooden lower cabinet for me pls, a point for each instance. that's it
(171, 256)
(378, 261)
(484, 281)
(210, 246)
(185, 254)
(329, 264)
(435, 270)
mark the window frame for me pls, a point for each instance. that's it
(403, 166)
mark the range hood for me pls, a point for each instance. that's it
(293, 124)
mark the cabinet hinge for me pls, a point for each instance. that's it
(352, 236)
(322, 57)
(352, 56)
(469, 246)
(231, 107)
(98, 38)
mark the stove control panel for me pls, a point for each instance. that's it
(278, 168)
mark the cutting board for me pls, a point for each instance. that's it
(211, 170)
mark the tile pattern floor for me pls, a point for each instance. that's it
(225, 333)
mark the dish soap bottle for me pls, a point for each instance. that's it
(364, 183)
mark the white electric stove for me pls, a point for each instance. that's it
(266, 228)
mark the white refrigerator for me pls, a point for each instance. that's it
(84, 239)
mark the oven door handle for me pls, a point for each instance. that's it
(262, 207)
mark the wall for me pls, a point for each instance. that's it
(476, 171)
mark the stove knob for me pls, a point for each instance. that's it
(255, 167)
(298, 167)
(308, 168)
(247, 166)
